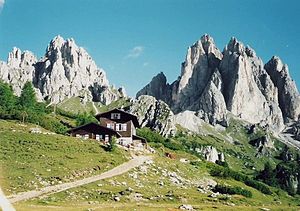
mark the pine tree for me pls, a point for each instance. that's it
(7, 98)
(268, 175)
(27, 99)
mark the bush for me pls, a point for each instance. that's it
(112, 144)
(223, 172)
(150, 136)
(232, 190)
(66, 113)
(153, 137)
(171, 144)
(85, 118)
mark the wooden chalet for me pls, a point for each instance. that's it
(94, 131)
(116, 123)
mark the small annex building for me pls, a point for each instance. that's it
(94, 131)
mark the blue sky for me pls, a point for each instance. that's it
(134, 40)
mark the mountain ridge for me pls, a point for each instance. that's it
(65, 71)
(237, 81)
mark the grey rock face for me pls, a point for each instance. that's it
(18, 70)
(236, 81)
(189, 120)
(288, 95)
(248, 91)
(157, 88)
(196, 72)
(65, 71)
(154, 114)
(211, 105)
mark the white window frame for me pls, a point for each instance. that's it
(110, 125)
(118, 127)
(106, 139)
(124, 127)
(115, 116)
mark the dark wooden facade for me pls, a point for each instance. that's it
(126, 129)
(119, 117)
(94, 131)
(122, 122)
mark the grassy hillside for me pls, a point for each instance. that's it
(162, 185)
(30, 161)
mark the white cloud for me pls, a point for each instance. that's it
(2, 3)
(135, 52)
(145, 64)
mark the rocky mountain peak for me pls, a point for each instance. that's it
(65, 71)
(276, 64)
(201, 60)
(17, 58)
(209, 46)
(214, 83)
(157, 88)
(237, 47)
(288, 95)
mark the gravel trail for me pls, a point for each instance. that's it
(121, 169)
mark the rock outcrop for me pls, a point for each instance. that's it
(211, 154)
(263, 144)
(236, 81)
(65, 71)
(189, 120)
(154, 114)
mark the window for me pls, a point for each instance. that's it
(118, 127)
(115, 116)
(86, 136)
(97, 137)
(78, 136)
(106, 138)
(110, 125)
(124, 127)
(121, 127)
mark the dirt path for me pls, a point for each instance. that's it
(121, 169)
(5, 205)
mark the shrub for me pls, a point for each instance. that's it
(85, 118)
(219, 171)
(232, 190)
(112, 144)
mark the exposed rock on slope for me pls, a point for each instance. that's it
(189, 120)
(65, 71)
(263, 144)
(154, 114)
(214, 83)
(211, 154)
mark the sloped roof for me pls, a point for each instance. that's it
(94, 128)
(133, 117)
